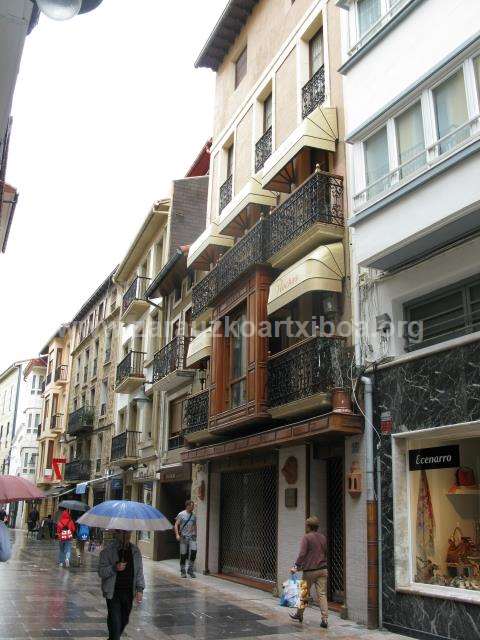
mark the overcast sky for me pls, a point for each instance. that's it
(108, 110)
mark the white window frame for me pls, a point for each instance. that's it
(388, 9)
(426, 98)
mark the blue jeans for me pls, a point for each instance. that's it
(65, 551)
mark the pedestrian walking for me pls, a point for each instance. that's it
(46, 528)
(186, 534)
(121, 571)
(33, 518)
(312, 560)
(5, 544)
(65, 531)
(83, 535)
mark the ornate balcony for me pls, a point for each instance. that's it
(134, 303)
(77, 471)
(263, 149)
(249, 251)
(81, 421)
(226, 193)
(169, 368)
(313, 93)
(195, 418)
(61, 374)
(56, 422)
(311, 215)
(130, 374)
(124, 449)
(300, 378)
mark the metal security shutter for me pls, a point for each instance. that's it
(248, 543)
(335, 534)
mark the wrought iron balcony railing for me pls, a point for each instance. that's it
(56, 421)
(226, 193)
(81, 420)
(318, 199)
(136, 291)
(263, 149)
(313, 93)
(130, 367)
(125, 445)
(61, 373)
(175, 442)
(195, 412)
(77, 470)
(170, 358)
(249, 251)
(303, 370)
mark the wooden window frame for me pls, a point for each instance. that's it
(241, 66)
(237, 314)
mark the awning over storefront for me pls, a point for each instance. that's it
(56, 492)
(207, 247)
(200, 347)
(321, 270)
(327, 427)
(319, 130)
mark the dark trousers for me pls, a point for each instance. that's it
(119, 609)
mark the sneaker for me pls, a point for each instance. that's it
(183, 574)
(191, 573)
(324, 624)
(67, 563)
(296, 616)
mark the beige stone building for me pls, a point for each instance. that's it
(91, 401)
(273, 436)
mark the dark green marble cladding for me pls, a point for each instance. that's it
(441, 389)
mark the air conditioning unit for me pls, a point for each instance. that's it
(48, 473)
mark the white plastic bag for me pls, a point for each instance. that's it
(289, 597)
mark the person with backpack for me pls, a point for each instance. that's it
(186, 534)
(65, 530)
(83, 535)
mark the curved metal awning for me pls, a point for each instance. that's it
(321, 270)
(319, 130)
(200, 347)
(207, 247)
(245, 208)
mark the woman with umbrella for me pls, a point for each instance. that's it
(121, 565)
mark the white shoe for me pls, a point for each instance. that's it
(60, 564)
(67, 563)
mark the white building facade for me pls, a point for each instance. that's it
(412, 106)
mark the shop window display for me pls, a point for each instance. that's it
(146, 496)
(444, 484)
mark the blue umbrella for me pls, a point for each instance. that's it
(125, 515)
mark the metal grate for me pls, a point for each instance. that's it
(335, 533)
(248, 546)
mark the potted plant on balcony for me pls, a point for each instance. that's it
(341, 360)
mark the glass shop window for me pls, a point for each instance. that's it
(445, 512)
(145, 495)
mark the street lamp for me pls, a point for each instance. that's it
(66, 9)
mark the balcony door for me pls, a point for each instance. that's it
(316, 52)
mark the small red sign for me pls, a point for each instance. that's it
(386, 423)
(56, 462)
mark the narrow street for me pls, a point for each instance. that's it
(40, 600)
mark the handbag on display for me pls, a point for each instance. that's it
(465, 477)
(459, 547)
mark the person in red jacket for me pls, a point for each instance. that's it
(65, 531)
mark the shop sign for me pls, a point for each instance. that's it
(56, 462)
(434, 458)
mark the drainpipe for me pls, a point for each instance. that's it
(372, 510)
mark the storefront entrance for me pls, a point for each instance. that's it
(248, 524)
(335, 529)
(172, 500)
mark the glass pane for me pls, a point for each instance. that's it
(267, 113)
(376, 160)
(451, 111)
(239, 352)
(316, 52)
(476, 65)
(411, 142)
(239, 395)
(445, 513)
(369, 11)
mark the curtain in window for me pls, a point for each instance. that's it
(369, 11)
(451, 111)
(376, 161)
(410, 140)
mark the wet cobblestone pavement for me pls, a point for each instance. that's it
(40, 600)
